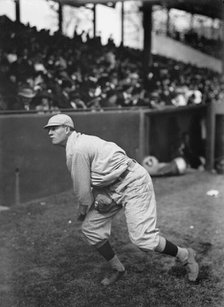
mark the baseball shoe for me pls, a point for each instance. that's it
(115, 276)
(192, 265)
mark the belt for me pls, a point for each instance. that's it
(130, 164)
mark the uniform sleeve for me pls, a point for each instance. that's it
(80, 173)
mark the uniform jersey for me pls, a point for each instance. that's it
(93, 162)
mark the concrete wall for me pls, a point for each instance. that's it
(25, 145)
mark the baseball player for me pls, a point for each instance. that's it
(105, 180)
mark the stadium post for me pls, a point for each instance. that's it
(17, 187)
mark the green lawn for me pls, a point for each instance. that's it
(45, 262)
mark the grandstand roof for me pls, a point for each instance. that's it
(211, 8)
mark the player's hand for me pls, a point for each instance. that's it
(81, 217)
(82, 213)
(103, 203)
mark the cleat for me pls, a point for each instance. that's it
(115, 276)
(192, 265)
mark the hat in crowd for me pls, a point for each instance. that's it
(59, 120)
(39, 67)
(12, 58)
(26, 92)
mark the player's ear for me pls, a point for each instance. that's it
(67, 130)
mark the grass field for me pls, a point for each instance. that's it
(45, 262)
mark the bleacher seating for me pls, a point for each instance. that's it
(44, 72)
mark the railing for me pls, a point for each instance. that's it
(71, 110)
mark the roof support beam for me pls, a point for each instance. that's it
(122, 24)
(17, 4)
(147, 43)
(60, 17)
(222, 25)
(94, 20)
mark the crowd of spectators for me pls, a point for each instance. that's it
(43, 72)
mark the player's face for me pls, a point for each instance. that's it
(58, 135)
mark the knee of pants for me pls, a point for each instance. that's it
(146, 243)
(92, 235)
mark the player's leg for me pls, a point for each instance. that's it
(96, 229)
(140, 212)
(145, 235)
(117, 267)
(185, 255)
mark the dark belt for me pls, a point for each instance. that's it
(131, 164)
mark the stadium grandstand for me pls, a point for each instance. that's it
(42, 72)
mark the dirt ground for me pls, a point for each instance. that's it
(45, 262)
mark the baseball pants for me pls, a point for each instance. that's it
(136, 195)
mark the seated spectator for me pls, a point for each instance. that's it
(155, 102)
(77, 102)
(180, 98)
(109, 100)
(26, 95)
(194, 96)
(62, 90)
(44, 102)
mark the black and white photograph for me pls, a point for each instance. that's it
(111, 153)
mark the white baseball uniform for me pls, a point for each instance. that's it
(97, 164)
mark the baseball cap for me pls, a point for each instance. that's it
(59, 120)
(26, 92)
